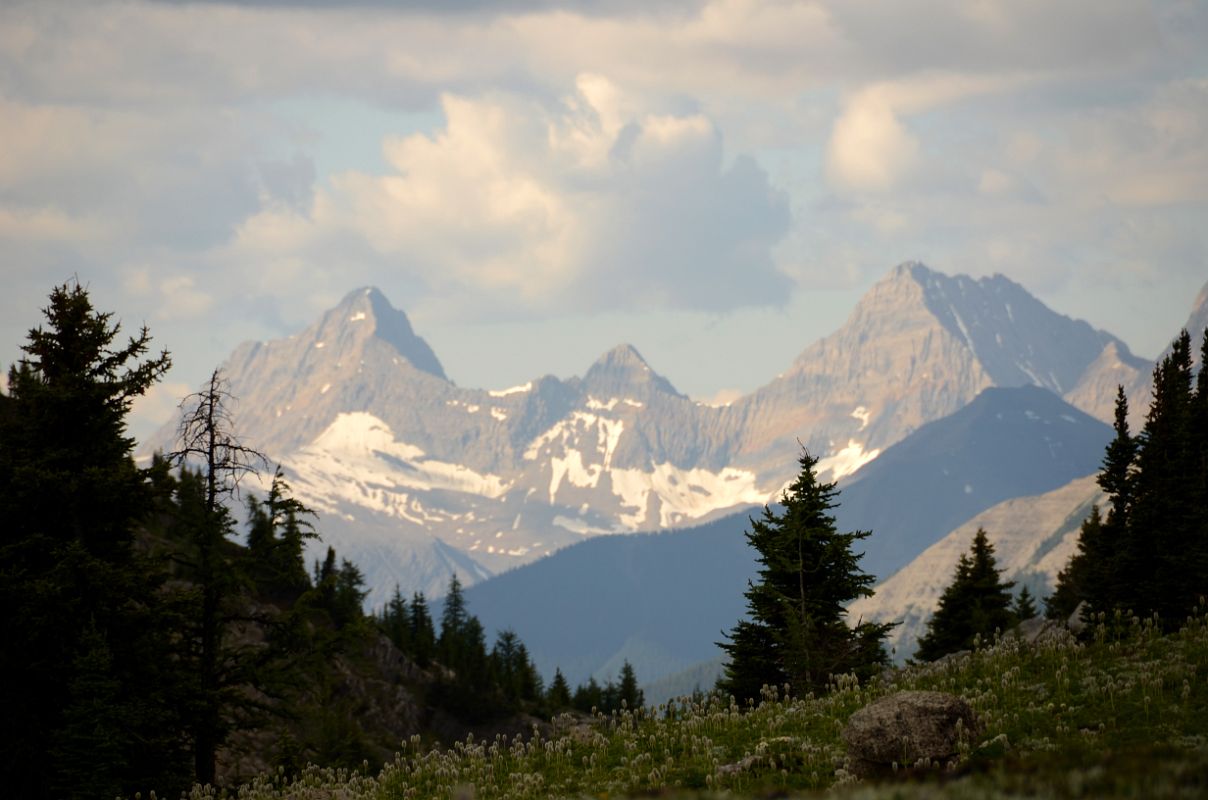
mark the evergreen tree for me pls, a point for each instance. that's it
(1075, 582)
(395, 621)
(1024, 608)
(423, 632)
(86, 636)
(631, 695)
(1151, 552)
(976, 604)
(796, 632)
(557, 697)
(451, 645)
(589, 697)
(1163, 524)
(277, 532)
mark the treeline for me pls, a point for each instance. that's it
(1147, 557)
(142, 644)
(477, 685)
(138, 638)
(1149, 554)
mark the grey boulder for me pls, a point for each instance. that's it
(907, 729)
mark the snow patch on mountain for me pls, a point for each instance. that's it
(683, 494)
(521, 389)
(357, 459)
(846, 460)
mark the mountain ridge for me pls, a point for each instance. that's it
(619, 449)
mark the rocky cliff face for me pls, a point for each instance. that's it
(917, 347)
(416, 476)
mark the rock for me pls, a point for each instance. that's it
(907, 728)
(1075, 622)
(1034, 629)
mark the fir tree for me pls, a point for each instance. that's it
(423, 632)
(1075, 583)
(557, 697)
(795, 631)
(1024, 607)
(277, 532)
(975, 605)
(1163, 523)
(589, 697)
(86, 638)
(395, 621)
(631, 695)
(1151, 552)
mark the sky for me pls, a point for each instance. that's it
(534, 182)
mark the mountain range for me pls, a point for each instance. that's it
(661, 601)
(416, 477)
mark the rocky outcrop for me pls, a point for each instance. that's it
(907, 729)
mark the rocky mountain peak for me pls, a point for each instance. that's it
(623, 369)
(366, 312)
(1010, 332)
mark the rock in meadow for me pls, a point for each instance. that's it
(907, 728)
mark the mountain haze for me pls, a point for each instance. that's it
(410, 469)
(1006, 443)
(661, 601)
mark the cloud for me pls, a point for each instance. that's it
(174, 296)
(156, 407)
(589, 156)
(592, 201)
(872, 149)
(869, 148)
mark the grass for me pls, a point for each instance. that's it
(1122, 715)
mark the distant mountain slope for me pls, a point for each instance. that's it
(662, 601)
(1006, 443)
(1033, 539)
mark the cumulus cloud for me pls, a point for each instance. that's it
(869, 147)
(582, 157)
(592, 201)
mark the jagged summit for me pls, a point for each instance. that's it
(1010, 332)
(621, 370)
(368, 309)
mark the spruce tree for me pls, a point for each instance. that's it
(1024, 607)
(796, 631)
(557, 697)
(423, 632)
(89, 701)
(395, 621)
(1088, 571)
(975, 605)
(277, 532)
(630, 693)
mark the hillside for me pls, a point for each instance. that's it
(1033, 538)
(1006, 443)
(1121, 715)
